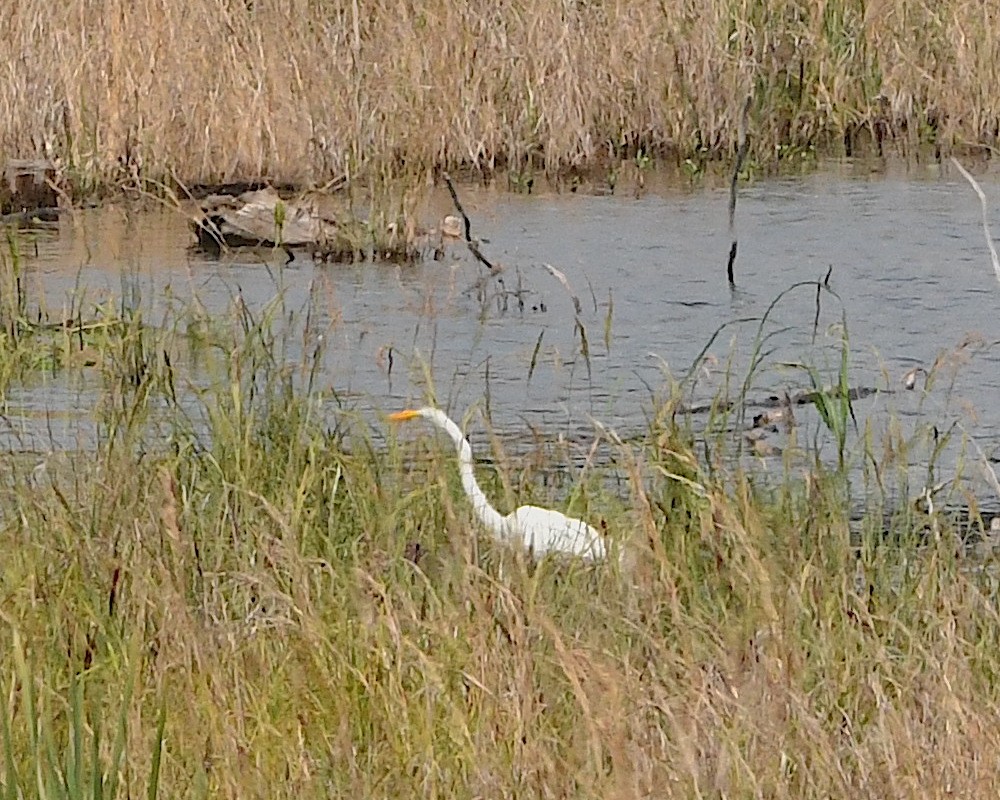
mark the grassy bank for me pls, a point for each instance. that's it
(221, 600)
(300, 92)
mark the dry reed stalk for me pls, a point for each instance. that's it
(986, 222)
(300, 92)
(745, 665)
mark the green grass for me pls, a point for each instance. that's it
(218, 602)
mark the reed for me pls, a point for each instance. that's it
(126, 93)
(242, 592)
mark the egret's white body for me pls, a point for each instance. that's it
(541, 530)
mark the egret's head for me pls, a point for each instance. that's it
(433, 415)
(402, 416)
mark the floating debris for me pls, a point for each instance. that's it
(759, 444)
(262, 219)
(782, 414)
(29, 192)
(451, 227)
(910, 378)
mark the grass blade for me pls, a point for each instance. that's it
(154, 769)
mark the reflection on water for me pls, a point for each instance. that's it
(909, 266)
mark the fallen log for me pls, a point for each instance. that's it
(261, 219)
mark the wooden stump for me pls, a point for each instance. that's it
(28, 185)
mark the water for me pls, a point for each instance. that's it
(906, 255)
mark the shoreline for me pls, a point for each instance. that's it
(171, 95)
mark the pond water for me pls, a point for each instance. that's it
(905, 251)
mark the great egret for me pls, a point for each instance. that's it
(539, 529)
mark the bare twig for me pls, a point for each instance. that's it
(741, 154)
(819, 289)
(584, 342)
(467, 225)
(986, 223)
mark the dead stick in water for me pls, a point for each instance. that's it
(741, 154)
(473, 247)
(820, 286)
(986, 223)
(584, 341)
(561, 277)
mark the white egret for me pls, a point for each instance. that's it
(541, 530)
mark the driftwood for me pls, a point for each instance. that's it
(779, 408)
(31, 218)
(262, 218)
(28, 185)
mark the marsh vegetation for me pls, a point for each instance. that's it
(245, 588)
(161, 94)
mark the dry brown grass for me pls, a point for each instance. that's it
(299, 91)
(254, 579)
(234, 567)
(744, 662)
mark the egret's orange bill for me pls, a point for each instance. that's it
(402, 416)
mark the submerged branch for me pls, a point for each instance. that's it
(467, 227)
(741, 154)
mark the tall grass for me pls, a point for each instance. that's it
(241, 593)
(296, 91)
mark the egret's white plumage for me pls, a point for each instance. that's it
(542, 530)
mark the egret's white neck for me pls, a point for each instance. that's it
(487, 514)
